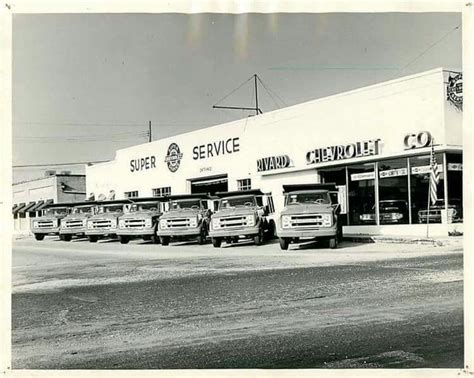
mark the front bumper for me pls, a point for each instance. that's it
(102, 232)
(312, 233)
(73, 231)
(135, 231)
(187, 232)
(238, 231)
(46, 230)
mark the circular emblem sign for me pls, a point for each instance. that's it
(454, 90)
(173, 157)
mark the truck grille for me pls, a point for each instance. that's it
(45, 224)
(73, 223)
(306, 220)
(229, 222)
(101, 224)
(133, 223)
(178, 223)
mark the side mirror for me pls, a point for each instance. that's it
(336, 207)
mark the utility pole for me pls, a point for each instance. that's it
(149, 131)
(256, 95)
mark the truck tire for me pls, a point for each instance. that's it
(155, 239)
(201, 239)
(123, 239)
(61, 237)
(284, 243)
(165, 240)
(216, 242)
(67, 237)
(147, 237)
(92, 238)
(258, 239)
(333, 242)
(39, 236)
(271, 230)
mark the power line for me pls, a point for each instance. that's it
(59, 164)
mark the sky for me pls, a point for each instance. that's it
(85, 85)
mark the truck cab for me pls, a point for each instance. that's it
(311, 212)
(242, 214)
(186, 217)
(105, 221)
(75, 223)
(49, 223)
(140, 220)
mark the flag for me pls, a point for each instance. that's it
(434, 176)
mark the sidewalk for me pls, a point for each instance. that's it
(437, 241)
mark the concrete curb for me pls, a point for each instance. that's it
(404, 240)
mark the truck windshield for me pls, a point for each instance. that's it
(110, 209)
(247, 201)
(144, 206)
(185, 204)
(82, 210)
(57, 211)
(308, 198)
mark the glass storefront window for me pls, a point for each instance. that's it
(455, 210)
(393, 191)
(362, 194)
(420, 178)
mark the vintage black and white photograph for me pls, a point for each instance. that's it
(237, 190)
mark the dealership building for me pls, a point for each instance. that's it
(373, 142)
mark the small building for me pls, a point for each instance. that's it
(373, 142)
(31, 197)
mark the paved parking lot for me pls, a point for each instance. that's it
(107, 305)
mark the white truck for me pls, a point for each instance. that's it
(49, 223)
(105, 222)
(75, 223)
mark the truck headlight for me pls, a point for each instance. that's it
(250, 220)
(35, 224)
(90, 225)
(193, 222)
(163, 223)
(216, 223)
(326, 220)
(121, 223)
(286, 221)
(148, 222)
(113, 223)
(84, 223)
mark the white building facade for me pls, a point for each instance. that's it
(373, 142)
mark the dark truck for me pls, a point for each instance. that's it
(141, 220)
(187, 217)
(242, 214)
(105, 221)
(49, 223)
(311, 212)
(75, 223)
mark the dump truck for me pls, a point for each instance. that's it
(311, 212)
(105, 222)
(75, 223)
(49, 223)
(141, 220)
(186, 217)
(242, 215)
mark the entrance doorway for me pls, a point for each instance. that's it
(209, 185)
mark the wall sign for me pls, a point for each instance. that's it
(454, 166)
(362, 176)
(424, 169)
(393, 173)
(222, 147)
(273, 162)
(454, 90)
(140, 164)
(173, 157)
(422, 139)
(342, 152)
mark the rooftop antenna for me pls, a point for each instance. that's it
(256, 109)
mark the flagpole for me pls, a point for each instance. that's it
(429, 200)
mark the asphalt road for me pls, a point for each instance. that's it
(110, 306)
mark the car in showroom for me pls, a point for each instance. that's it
(433, 215)
(390, 212)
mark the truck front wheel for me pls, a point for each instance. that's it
(284, 243)
(93, 238)
(216, 242)
(67, 237)
(333, 243)
(165, 240)
(123, 239)
(39, 236)
(258, 239)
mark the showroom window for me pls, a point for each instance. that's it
(133, 194)
(244, 184)
(160, 192)
(419, 181)
(362, 194)
(455, 172)
(393, 191)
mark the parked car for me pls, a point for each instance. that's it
(390, 212)
(49, 223)
(75, 223)
(187, 217)
(242, 214)
(454, 212)
(310, 213)
(140, 220)
(105, 222)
